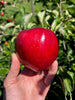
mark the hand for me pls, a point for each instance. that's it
(27, 85)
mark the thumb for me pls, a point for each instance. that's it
(15, 67)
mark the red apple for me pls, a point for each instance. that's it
(37, 48)
(2, 2)
(9, 20)
(6, 43)
(2, 13)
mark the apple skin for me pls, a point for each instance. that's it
(37, 48)
(9, 20)
(2, 2)
(2, 13)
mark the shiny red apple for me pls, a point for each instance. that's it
(37, 48)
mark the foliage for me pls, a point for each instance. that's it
(57, 15)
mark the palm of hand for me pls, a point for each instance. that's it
(25, 86)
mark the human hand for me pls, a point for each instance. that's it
(27, 85)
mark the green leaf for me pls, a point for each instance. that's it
(67, 84)
(30, 25)
(13, 39)
(71, 9)
(26, 18)
(2, 57)
(9, 10)
(68, 81)
(38, 7)
(46, 19)
(8, 25)
(72, 74)
(3, 71)
(27, 6)
(7, 52)
(2, 28)
(0, 93)
(73, 1)
(22, 10)
(56, 13)
(73, 67)
(41, 16)
(55, 23)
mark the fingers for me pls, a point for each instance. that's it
(51, 73)
(14, 70)
(28, 72)
(15, 67)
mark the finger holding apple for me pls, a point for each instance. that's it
(37, 48)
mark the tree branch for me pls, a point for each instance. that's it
(7, 34)
(67, 19)
(61, 27)
(32, 5)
